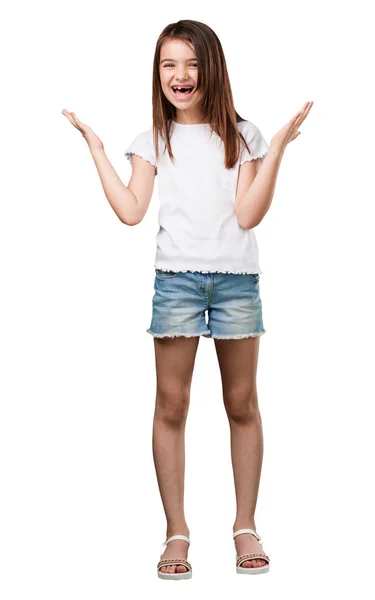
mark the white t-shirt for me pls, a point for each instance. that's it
(198, 229)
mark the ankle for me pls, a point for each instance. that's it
(177, 529)
(248, 524)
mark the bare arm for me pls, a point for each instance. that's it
(121, 198)
(254, 204)
(255, 193)
(129, 202)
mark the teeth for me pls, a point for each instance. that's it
(175, 87)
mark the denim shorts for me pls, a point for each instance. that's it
(181, 299)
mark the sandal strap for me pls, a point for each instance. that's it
(173, 537)
(244, 557)
(177, 537)
(239, 531)
(174, 561)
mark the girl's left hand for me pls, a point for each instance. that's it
(290, 131)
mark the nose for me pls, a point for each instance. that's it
(181, 75)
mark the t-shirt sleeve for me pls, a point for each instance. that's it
(142, 146)
(256, 142)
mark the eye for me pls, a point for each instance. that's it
(171, 64)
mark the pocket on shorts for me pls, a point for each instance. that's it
(253, 276)
(159, 274)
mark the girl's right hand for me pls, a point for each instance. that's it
(91, 138)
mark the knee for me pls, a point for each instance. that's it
(172, 405)
(241, 405)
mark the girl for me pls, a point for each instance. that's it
(217, 176)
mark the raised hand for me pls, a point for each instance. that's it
(91, 138)
(289, 132)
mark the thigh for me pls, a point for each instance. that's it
(174, 360)
(238, 362)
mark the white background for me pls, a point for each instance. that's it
(81, 516)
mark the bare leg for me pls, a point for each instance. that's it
(175, 359)
(238, 361)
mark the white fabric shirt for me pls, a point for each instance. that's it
(198, 229)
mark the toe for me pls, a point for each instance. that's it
(251, 564)
(181, 569)
(260, 562)
(247, 564)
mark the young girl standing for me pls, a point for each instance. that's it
(217, 176)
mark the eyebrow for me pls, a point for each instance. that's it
(172, 60)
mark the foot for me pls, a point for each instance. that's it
(246, 543)
(175, 549)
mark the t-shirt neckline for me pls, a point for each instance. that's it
(190, 124)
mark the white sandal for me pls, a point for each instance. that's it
(244, 557)
(174, 561)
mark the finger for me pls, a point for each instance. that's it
(66, 114)
(70, 118)
(305, 113)
(301, 116)
(74, 121)
(294, 119)
(75, 117)
(307, 108)
(77, 122)
(300, 113)
(303, 110)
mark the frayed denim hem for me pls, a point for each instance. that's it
(207, 334)
(172, 335)
(239, 336)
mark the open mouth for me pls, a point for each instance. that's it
(180, 91)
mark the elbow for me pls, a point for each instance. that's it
(130, 220)
(248, 225)
(245, 223)
(253, 224)
(130, 214)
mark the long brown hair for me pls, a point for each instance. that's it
(214, 82)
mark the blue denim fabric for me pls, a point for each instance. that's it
(181, 299)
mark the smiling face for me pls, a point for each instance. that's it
(179, 67)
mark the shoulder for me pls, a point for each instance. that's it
(254, 139)
(146, 135)
(143, 146)
(247, 128)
